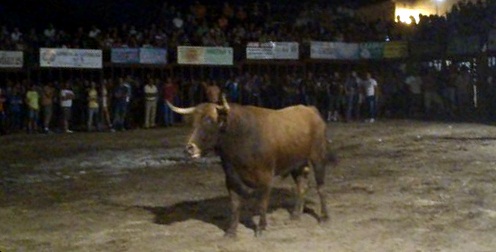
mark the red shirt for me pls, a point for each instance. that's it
(169, 92)
(2, 101)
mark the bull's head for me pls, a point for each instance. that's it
(209, 120)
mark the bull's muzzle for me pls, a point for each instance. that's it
(192, 150)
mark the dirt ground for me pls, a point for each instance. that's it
(399, 186)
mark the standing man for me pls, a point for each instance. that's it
(151, 92)
(3, 116)
(169, 93)
(66, 98)
(33, 102)
(370, 89)
(212, 91)
(414, 84)
(351, 88)
(93, 107)
(47, 96)
(120, 104)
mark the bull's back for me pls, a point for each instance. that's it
(294, 135)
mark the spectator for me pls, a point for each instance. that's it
(47, 97)
(33, 102)
(151, 93)
(16, 35)
(49, 34)
(431, 96)
(104, 102)
(120, 104)
(414, 84)
(3, 115)
(169, 94)
(464, 87)
(15, 103)
(212, 91)
(66, 98)
(352, 90)
(370, 88)
(93, 108)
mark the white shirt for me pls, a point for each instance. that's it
(50, 33)
(16, 36)
(415, 84)
(94, 33)
(151, 92)
(66, 103)
(369, 85)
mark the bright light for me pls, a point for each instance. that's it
(405, 14)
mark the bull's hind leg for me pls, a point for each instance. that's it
(320, 172)
(300, 176)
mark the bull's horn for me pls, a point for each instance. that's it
(182, 111)
(224, 102)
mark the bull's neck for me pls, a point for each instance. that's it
(240, 123)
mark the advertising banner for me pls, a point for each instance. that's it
(372, 50)
(334, 50)
(152, 56)
(273, 50)
(70, 58)
(423, 48)
(260, 51)
(124, 55)
(195, 55)
(395, 49)
(11, 59)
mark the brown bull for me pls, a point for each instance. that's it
(255, 144)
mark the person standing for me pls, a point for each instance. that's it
(169, 93)
(151, 93)
(370, 88)
(33, 102)
(352, 95)
(3, 126)
(93, 107)
(66, 98)
(15, 104)
(104, 102)
(212, 91)
(47, 96)
(414, 84)
(120, 105)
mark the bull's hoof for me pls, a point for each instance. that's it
(295, 217)
(324, 219)
(230, 234)
(258, 232)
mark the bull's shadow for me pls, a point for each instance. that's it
(217, 210)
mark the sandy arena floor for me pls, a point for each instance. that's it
(399, 186)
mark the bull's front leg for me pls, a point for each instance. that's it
(235, 212)
(263, 204)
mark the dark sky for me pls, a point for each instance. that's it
(70, 14)
(74, 13)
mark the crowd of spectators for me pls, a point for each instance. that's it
(235, 24)
(340, 94)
